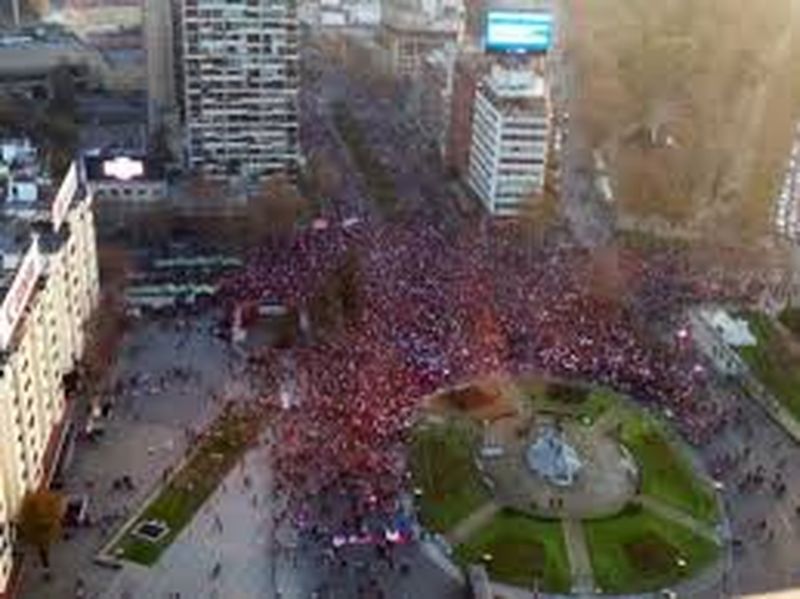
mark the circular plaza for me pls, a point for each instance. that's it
(562, 488)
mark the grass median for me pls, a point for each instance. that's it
(666, 475)
(525, 551)
(216, 452)
(637, 551)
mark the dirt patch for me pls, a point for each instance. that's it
(650, 555)
(480, 402)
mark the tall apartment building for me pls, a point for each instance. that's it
(240, 74)
(412, 29)
(470, 67)
(511, 129)
(48, 288)
(159, 44)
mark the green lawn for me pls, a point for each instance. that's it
(524, 550)
(443, 468)
(665, 474)
(179, 500)
(636, 551)
(772, 364)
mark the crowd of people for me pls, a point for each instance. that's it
(446, 300)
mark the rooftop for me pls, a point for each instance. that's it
(36, 35)
(122, 167)
(516, 84)
(24, 179)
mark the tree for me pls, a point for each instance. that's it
(275, 208)
(115, 265)
(349, 288)
(324, 178)
(39, 521)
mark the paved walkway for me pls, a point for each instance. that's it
(464, 529)
(606, 423)
(679, 517)
(233, 533)
(145, 433)
(578, 553)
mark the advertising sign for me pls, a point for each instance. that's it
(67, 191)
(19, 293)
(518, 31)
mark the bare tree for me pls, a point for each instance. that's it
(275, 208)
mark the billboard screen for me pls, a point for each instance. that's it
(518, 31)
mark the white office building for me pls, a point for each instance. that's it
(510, 141)
(48, 289)
(240, 75)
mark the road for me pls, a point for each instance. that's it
(590, 219)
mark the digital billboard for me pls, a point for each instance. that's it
(519, 31)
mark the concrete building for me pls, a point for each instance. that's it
(123, 178)
(511, 129)
(412, 29)
(29, 56)
(240, 73)
(323, 14)
(123, 185)
(48, 289)
(163, 116)
(469, 68)
(11, 12)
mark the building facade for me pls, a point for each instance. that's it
(48, 289)
(411, 29)
(240, 75)
(30, 55)
(510, 139)
(159, 43)
(469, 68)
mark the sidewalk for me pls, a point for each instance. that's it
(579, 560)
(464, 529)
(233, 530)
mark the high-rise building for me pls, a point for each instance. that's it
(159, 43)
(240, 79)
(470, 66)
(48, 289)
(511, 128)
(10, 12)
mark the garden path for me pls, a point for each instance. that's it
(578, 552)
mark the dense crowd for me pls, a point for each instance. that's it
(443, 301)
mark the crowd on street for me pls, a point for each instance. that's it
(443, 300)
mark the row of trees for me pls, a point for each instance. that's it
(682, 77)
(207, 217)
(340, 299)
(379, 181)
